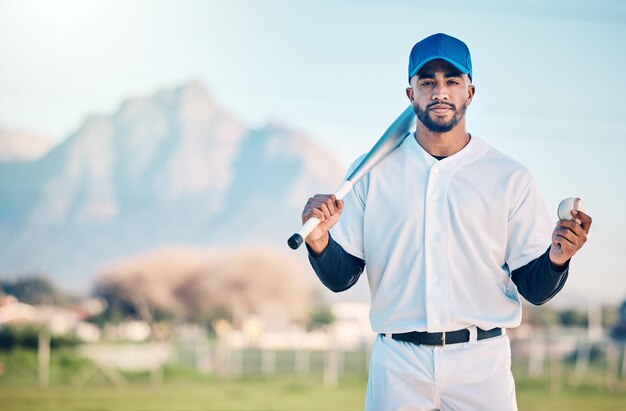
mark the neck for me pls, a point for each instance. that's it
(442, 144)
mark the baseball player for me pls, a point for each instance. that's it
(452, 232)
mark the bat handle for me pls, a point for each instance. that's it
(296, 240)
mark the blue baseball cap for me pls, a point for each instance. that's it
(440, 47)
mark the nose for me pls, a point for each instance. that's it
(440, 92)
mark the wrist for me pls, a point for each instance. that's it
(558, 265)
(317, 247)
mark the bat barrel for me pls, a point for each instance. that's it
(393, 137)
(390, 140)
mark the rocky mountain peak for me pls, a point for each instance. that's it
(169, 168)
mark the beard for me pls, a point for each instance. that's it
(439, 125)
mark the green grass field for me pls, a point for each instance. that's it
(186, 391)
(279, 393)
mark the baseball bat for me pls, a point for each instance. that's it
(390, 140)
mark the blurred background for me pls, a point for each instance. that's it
(156, 155)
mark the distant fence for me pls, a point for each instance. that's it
(555, 357)
(561, 359)
(225, 361)
(571, 359)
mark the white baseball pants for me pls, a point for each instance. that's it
(465, 376)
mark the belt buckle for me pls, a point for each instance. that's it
(442, 340)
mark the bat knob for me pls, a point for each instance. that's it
(295, 241)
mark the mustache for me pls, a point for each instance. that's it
(440, 103)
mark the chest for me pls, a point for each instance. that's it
(467, 196)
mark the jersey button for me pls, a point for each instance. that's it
(435, 279)
(435, 171)
(436, 321)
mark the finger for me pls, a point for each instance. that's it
(564, 241)
(317, 200)
(310, 212)
(322, 197)
(571, 225)
(585, 219)
(333, 204)
(562, 238)
(565, 228)
(563, 247)
(312, 209)
(575, 233)
(323, 213)
(319, 214)
(322, 206)
(568, 243)
(338, 203)
(310, 205)
(330, 204)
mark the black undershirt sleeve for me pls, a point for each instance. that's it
(337, 269)
(540, 280)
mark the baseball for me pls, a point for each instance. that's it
(569, 204)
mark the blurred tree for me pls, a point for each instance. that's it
(573, 317)
(27, 336)
(33, 289)
(540, 316)
(116, 311)
(610, 315)
(192, 285)
(618, 332)
(125, 302)
(321, 316)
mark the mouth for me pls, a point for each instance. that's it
(440, 109)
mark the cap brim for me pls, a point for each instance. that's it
(458, 66)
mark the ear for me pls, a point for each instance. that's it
(409, 93)
(471, 90)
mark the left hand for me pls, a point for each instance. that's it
(568, 237)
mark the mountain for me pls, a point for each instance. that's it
(17, 146)
(170, 168)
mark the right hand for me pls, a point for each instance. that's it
(327, 208)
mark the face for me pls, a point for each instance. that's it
(440, 95)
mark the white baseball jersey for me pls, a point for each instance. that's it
(440, 238)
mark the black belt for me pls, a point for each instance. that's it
(444, 338)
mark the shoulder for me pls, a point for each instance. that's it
(496, 156)
(503, 164)
(356, 163)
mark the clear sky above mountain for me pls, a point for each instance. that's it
(550, 88)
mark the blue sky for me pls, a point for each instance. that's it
(549, 79)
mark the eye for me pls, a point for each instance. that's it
(454, 82)
(426, 83)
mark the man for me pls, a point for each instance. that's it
(452, 232)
